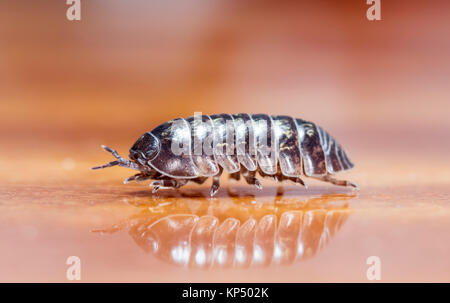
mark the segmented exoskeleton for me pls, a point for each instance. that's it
(202, 146)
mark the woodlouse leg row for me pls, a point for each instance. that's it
(329, 179)
(216, 183)
(167, 183)
(250, 177)
(137, 177)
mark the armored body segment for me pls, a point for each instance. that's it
(174, 159)
(333, 161)
(289, 154)
(202, 134)
(336, 158)
(324, 139)
(311, 148)
(266, 145)
(346, 163)
(329, 147)
(224, 149)
(245, 141)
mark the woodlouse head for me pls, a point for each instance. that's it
(145, 148)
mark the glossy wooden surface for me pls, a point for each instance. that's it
(381, 89)
(114, 228)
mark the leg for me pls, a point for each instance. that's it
(215, 186)
(167, 183)
(249, 176)
(328, 178)
(199, 180)
(235, 176)
(299, 181)
(137, 177)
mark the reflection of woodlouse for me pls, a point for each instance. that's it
(204, 242)
(280, 147)
(199, 233)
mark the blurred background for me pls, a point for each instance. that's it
(381, 88)
(129, 65)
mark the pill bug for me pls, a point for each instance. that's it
(196, 148)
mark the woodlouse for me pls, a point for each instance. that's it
(202, 146)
